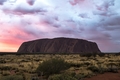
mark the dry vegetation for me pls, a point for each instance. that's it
(24, 66)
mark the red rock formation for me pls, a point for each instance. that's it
(59, 45)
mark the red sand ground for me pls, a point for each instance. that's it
(106, 76)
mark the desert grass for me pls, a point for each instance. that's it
(26, 64)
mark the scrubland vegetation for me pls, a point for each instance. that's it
(56, 66)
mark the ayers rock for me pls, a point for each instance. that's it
(59, 45)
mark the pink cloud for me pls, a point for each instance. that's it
(31, 2)
(74, 2)
(93, 20)
(2, 1)
(104, 41)
(83, 4)
(12, 37)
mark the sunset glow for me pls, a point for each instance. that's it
(93, 20)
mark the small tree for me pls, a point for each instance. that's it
(52, 66)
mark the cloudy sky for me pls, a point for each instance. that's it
(93, 20)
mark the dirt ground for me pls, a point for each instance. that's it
(106, 76)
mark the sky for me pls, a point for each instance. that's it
(93, 20)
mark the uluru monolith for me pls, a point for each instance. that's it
(59, 45)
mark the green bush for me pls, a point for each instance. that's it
(80, 76)
(52, 66)
(5, 73)
(98, 69)
(112, 67)
(2, 61)
(12, 77)
(93, 68)
(61, 77)
(5, 67)
(76, 64)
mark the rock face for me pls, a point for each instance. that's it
(59, 45)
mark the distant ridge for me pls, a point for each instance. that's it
(59, 45)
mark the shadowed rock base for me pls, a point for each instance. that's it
(59, 45)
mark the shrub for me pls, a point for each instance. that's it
(12, 77)
(5, 67)
(2, 61)
(93, 68)
(99, 69)
(5, 73)
(61, 77)
(112, 68)
(80, 76)
(87, 63)
(52, 66)
(76, 64)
